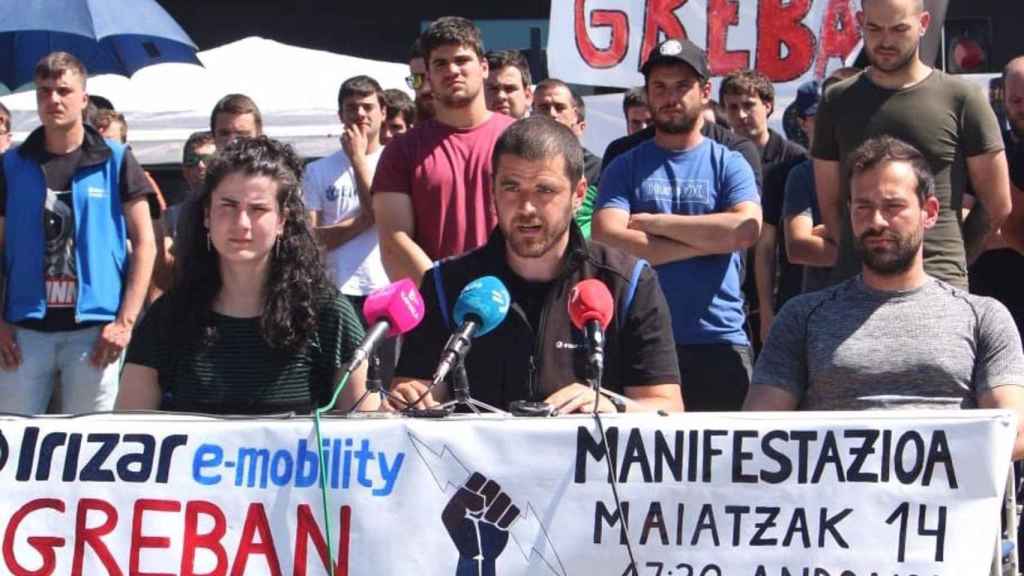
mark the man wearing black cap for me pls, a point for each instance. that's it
(689, 206)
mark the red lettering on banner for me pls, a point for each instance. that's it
(614, 19)
(193, 540)
(140, 542)
(781, 25)
(44, 545)
(309, 530)
(659, 18)
(839, 35)
(256, 521)
(721, 15)
(94, 536)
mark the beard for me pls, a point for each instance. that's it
(677, 125)
(1016, 124)
(902, 61)
(892, 261)
(540, 244)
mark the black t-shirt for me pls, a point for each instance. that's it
(591, 168)
(60, 267)
(778, 149)
(790, 276)
(640, 353)
(239, 373)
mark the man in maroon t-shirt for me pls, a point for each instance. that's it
(431, 191)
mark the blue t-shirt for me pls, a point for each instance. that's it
(703, 293)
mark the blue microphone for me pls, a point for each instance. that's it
(481, 307)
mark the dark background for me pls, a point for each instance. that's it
(384, 30)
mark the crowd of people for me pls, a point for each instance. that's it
(747, 271)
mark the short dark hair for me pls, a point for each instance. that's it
(360, 87)
(196, 140)
(449, 30)
(398, 102)
(748, 83)
(55, 64)
(236, 104)
(577, 103)
(101, 102)
(498, 59)
(416, 50)
(540, 138)
(885, 149)
(634, 98)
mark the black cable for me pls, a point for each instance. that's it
(615, 494)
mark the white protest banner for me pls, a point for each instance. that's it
(843, 494)
(604, 42)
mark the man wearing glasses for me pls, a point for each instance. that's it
(417, 82)
(199, 150)
(5, 128)
(432, 188)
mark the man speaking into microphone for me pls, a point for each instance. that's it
(538, 252)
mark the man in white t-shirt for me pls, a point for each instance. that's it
(336, 190)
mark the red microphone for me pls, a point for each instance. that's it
(590, 308)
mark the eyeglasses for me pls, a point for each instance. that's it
(193, 160)
(415, 80)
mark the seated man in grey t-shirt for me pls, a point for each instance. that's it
(892, 337)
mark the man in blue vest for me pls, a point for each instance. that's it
(70, 202)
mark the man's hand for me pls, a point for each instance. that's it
(112, 341)
(354, 141)
(411, 394)
(578, 398)
(10, 352)
(640, 221)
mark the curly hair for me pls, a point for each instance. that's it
(296, 281)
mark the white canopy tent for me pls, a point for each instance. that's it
(295, 88)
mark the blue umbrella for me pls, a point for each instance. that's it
(108, 36)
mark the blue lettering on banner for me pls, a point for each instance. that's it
(348, 466)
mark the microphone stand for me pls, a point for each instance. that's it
(374, 385)
(460, 391)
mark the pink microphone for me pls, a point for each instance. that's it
(399, 304)
(390, 311)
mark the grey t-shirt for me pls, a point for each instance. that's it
(850, 347)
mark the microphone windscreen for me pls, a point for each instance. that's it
(591, 300)
(399, 303)
(487, 299)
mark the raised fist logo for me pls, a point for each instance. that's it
(477, 518)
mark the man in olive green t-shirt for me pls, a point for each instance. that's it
(947, 119)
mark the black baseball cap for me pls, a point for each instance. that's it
(677, 50)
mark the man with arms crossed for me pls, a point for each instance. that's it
(689, 206)
(893, 336)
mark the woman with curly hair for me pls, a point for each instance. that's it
(251, 325)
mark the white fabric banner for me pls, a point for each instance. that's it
(604, 42)
(838, 494)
